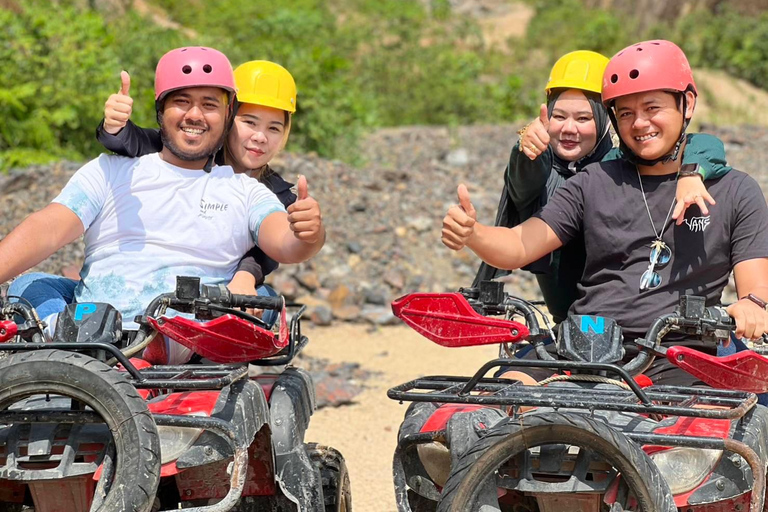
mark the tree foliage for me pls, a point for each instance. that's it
(359, 64)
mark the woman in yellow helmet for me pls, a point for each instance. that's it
(266, 101)
(572, 131)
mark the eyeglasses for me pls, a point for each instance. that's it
(660, 256)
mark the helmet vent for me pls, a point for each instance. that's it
(634, 74)
(614, 78)
(639, 49)
(207, 68)
(186, 69)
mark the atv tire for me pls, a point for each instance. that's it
(334, 476)
(513, 436)
(111, 396)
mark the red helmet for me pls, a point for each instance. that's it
(193, 67)
(647, 66)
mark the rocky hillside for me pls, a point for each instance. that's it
(383, 218)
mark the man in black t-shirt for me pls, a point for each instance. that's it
(639, 261)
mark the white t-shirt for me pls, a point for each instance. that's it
(147, 221)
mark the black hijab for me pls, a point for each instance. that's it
(507, 215)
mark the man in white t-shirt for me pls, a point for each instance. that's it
(147, 220)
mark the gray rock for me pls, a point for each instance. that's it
(422, 224)
(458, 157)
(376, 295)
(380, 315)
(321, 315)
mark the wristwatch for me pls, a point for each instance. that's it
(757, 300)
(690, 170)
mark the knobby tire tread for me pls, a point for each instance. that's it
(101, 387)
(458, 487)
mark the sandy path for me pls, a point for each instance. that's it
(366, 431)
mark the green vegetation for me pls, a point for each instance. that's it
(724, 39)
(727, 41)
(359, 64)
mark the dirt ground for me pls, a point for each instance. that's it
(366, 431)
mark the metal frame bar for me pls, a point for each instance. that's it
(509, 392)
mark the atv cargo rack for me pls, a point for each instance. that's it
(665, 400)
(653, 400)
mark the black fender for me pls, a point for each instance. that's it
(242, 404)
(733, 476)
(291, 405)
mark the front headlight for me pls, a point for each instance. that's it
(436, 459)
(176, 440)
(686, 468)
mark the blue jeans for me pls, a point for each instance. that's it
(269, 316)
(49, 294)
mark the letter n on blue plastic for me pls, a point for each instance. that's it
(595, 324)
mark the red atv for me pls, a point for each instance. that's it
(86, 427)
(591, 438)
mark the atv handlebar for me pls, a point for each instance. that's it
(221, 295)
(691, 317)
(698, 321)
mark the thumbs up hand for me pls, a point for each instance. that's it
(304, 216)
(535, 137)
(118, 108)
(459, 222)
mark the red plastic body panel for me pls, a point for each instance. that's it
(8, 330)
(212, 481)
(699, 427)
(744, 371)
(227, 339)
(11, 491)
(140, 364)
(65, 495)
(449, 320)
(267, 382)
(198, 403)
(439, 419)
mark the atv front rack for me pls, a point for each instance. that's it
(176, 377)
(653, 400)
(663, 400)
(223, 428)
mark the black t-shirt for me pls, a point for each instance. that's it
(606, 204)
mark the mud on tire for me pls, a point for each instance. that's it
(111, 396)
(334, 476)
(512, 436)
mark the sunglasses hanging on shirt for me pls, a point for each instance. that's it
(661, 254)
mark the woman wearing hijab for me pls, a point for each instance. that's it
(571, 132)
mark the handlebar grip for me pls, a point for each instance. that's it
(256, 302)
(719, 315)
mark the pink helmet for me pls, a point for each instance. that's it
(647, 66)
(193, 66)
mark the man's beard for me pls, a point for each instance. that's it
(188, 156)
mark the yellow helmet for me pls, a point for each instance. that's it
(581, 69)
(265, 83)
